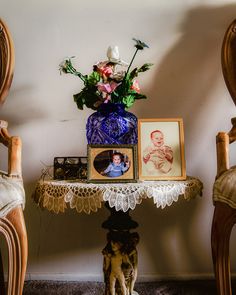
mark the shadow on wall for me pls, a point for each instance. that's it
(19, 110)
(167, 236)
(181, 87)
(190, 69)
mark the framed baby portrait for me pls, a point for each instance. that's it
(161, 149)
(112, 163)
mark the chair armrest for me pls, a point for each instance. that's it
(232, 132)
(14, 157)
(222, 150)
(13, 143)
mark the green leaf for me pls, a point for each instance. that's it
(128, 100)
(145, 67)
(79, 99)
(128, 82)
(139, 96)
(93, 78)
(134, 73)
(87, 97)
(142, 69)
(91, 101)
(116, 97)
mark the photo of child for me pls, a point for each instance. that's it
(157, 155)
(112, 163)
(117, 166)
(161, 149)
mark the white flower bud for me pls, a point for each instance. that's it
(113, 53)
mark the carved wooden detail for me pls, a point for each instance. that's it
(228, 60)
(223, 221)
(7, 61)
(12, 226)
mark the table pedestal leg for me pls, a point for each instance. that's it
(120, 254)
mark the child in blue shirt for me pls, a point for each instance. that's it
(117, 167)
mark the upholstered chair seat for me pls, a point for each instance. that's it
(12, 193)
(224, 189)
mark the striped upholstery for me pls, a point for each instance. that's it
(224, 189)
(12, 194)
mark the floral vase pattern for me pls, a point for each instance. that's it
(112, 124)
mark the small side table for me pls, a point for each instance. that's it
(120, 254)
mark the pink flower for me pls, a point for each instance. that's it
(107, 71)
(107, 87)
(104, 69)
(135, 86)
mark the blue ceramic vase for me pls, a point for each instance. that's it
(112, 124)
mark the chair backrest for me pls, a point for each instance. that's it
(228, 59)
(7, 61)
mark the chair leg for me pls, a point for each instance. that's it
(223, 220)
(16, 218)
(2, 283)
(7, 230)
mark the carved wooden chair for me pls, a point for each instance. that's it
(12, 196)
(224, 191)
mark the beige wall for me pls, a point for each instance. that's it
(185, 40)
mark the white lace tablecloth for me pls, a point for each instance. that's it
(54, 195)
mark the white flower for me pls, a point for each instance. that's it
(113, 53)
(114, 56)
(118, 76)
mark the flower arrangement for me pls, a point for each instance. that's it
(109, 82)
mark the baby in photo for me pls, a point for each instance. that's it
(117, 167)
(157, 156)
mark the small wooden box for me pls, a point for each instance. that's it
(67, 168)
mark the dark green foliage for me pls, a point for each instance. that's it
(126, 89)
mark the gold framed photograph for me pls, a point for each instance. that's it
(112, 163)
(161, 149)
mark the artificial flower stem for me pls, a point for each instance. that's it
(80, 76)
(74, 72)
(132, 61)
